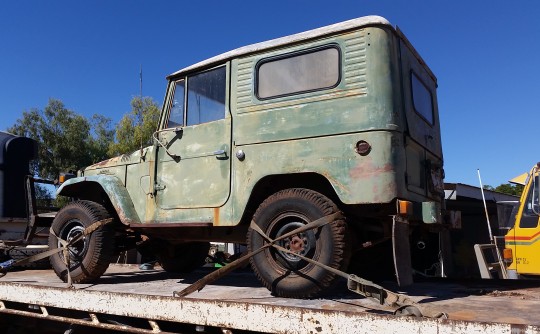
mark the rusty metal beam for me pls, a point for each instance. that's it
(241, 315)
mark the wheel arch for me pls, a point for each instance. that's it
(103, 189)
(271, 184)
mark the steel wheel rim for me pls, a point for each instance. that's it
(304, 243)
(77, 251)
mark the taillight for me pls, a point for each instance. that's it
(404, 208)
(507, 255)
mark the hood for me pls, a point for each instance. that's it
(124, 159)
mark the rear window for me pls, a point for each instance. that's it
(422, 99)
(298, 73)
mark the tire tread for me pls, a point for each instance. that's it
(341, 250)
(103, 244)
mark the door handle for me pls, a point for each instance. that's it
(219, 152)
(207, 154)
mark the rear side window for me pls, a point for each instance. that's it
(298, 73)
(422, 99)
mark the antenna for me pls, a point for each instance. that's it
(140, 76)
(141, 116)
(485, 208)
(491, 238)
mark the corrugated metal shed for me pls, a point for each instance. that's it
(467, 199)
(455, 191)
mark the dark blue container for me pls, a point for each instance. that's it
(15, 155)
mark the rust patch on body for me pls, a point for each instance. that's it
(101, 163)
(366, 170)
(335, 182)
(158, 224)
(216, 216)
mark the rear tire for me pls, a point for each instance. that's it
(284, 274)
(89, 257)
(185, 257)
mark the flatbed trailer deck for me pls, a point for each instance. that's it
(127, 299)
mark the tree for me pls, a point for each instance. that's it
(507, 188)
(135, 129)
(103, 136)
(510, 189)
(67, 140)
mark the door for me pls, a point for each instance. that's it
(423, 141)
(193, 159)
(525, 236)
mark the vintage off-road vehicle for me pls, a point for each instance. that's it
(342, 118)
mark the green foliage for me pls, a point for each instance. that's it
(507, 188)
(103, 136)
(136, 128)
(60, 201)
(511, 189)
(67, 140)
(43, 196)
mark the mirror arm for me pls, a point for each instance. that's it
(154, 136)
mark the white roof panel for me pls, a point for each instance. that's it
(334, 28)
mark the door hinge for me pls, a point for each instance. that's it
(159, 187)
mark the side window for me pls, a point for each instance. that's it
(529, 218)
(176, 116)
(422, 99)
(298, 73)
(206, 96)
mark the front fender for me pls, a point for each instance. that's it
(85, 188)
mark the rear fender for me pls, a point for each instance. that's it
(85, 188)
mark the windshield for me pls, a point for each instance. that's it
(506, 214)
(529, 216)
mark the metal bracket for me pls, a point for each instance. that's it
(159, 187)
(402, 251)
(354, 283)
(366, 288)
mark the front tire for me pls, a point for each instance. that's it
(89, 257)
(285, 274)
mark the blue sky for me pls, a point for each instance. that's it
(88, 54)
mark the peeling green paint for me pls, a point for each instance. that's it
(117, 193)
(197, 174)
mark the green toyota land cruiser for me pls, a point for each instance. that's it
(340, 121)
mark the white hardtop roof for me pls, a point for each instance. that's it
(338, 27)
